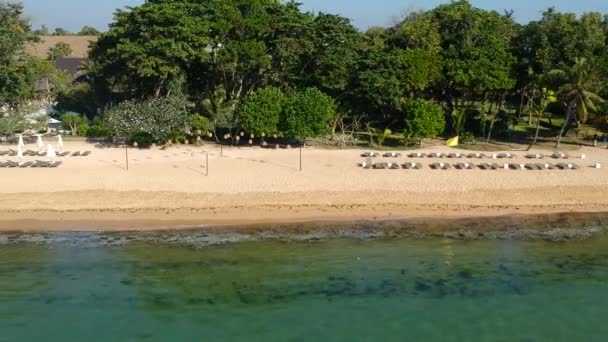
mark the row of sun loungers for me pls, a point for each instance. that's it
(31, 164)
(553, 156)
(467, 155)
(440, 155)
(470, 166)
(30, 153)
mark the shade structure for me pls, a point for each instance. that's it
(20, 143)
(59, 142)
(39, 142)
(19, 152)
(50, 151)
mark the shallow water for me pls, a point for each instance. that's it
(77, 287)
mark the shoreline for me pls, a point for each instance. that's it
(554, 227)
(324, 213)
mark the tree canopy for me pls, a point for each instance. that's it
(268, 66)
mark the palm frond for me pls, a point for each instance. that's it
(593, 96)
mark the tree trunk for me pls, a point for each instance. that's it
(537, 132)
(490, 129)
(530, 114)
(564, 126)
(521, 104)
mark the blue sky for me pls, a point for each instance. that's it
(73, 14)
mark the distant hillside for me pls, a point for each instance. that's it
(78, 44)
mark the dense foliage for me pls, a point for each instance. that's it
(308, 114)
(261, 112)
(266, 66)
(423, 119)
(154, 118)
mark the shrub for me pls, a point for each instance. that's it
(261, 112)
(200, 123)
(142, 139)
(423, 119)
(157, 118)
(308, 114)
(77, 124)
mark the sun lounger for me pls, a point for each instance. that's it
(394, 166)
(493, 166)
(559, 156)
(488, 166)
(412, 166)
(381, 166)
(417, 155)
(3, 164)
(76, 154)
(441, 166)
(26, 164)
(370, 154)
(11, 164)
(85, 154)
(568, 166)
(3, 153)
(40, 163)
(392, 155)
(55, 164)
(63, 154)
(464, 166)
(534, 156)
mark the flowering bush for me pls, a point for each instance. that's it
(156, 118)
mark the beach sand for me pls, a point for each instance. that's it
(170, 188)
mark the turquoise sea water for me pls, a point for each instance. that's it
(78, 288)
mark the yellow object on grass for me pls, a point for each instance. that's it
(452, 142)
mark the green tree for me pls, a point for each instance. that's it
(579, 82)
(476, 49)
(334, 53)
(60, 50)
(423, 119)
(76, 123)
(89, 31)
(200, 124)
(308, 114)
(61, 32)
(546, 98)
(15, 33)
(149, 46)
(11, 123)
(42, 31)
(78, 98)
(261, 111)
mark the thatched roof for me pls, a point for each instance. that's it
(78, 44)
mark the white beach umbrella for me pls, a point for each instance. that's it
(19, 152)
(50, 151)
(59, 142)
(20, 143)
(39, 142)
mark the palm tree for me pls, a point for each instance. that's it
(576, 91)
(221, 111)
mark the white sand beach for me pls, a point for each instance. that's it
(170, 188)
